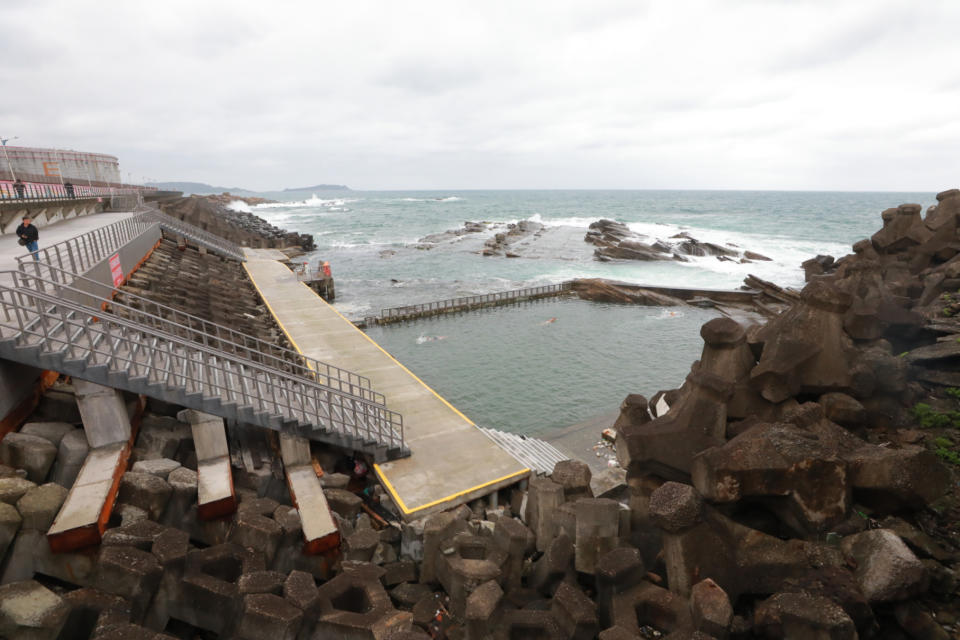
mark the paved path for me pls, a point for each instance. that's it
(52, 234)
(452, 462)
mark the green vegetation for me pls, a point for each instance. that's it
(930, 419)
(944, 447)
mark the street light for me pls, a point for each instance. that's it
(3, 143)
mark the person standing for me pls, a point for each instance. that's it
(29, 236)
(18, 187)
(69, 187)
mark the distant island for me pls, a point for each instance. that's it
(321, 187)
(198, 188)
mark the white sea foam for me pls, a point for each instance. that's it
(239, 205)
(312, 201)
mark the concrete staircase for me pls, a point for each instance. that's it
(538, 455)
(146, 354)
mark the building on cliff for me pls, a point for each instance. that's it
(43, 172)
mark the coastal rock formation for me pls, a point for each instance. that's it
(802, 419)
(616, 241)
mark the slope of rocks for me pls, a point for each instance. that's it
(245, 229)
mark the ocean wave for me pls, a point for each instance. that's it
(239, 205)
(312, 201)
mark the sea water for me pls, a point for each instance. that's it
(509, 368)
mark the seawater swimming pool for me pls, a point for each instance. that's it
(537, 366)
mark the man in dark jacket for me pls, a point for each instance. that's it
(31, 234)
(18, 187)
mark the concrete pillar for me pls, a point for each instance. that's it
(215, 493)
(104, 414)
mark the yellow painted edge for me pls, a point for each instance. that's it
(282, 328)
(403, 507)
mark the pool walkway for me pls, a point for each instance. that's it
(452, 461)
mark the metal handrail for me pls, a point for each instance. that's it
(209, 333)
(201, 236)
(469, 302)
(86, 333)
(80, 253)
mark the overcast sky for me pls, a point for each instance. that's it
(731, 94)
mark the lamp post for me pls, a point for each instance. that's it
(3, 143)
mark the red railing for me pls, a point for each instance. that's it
(55, 191)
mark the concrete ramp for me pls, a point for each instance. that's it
(83, 517)
(452, 461)
(320, 531)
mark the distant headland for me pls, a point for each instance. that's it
(201, 188)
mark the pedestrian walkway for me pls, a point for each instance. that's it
(452, 461)
(54, 233)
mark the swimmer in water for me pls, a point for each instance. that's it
(424, 338)
(546, 322)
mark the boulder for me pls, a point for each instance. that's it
(30, 611)
(39, 506)
(33, 453)
(886, 570)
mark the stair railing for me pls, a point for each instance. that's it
(200, 329)
(155, 315)
(135, 351)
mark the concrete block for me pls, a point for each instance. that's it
(266, 616)
(210, 597)
(481, 608)
(131, 573)
(12, 488)
(256, 532)
(10, 521)
(58, 406)
(261, 582)
(710, 608)
(400, 571)
(160, 467)
(355, 605)
(92, 612)
(161, 437)
(30, 611)
(465, 562)
(300, 589)
(598, 531)
(39, 506)
(146, 491)
(52, 431)
(183, 483)
(544, 497)
(71, 453)
(574, 476)
(103, 413)
(32, 453)
(343, 502)
(574, 613)
(362, 544)
(553, 566)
